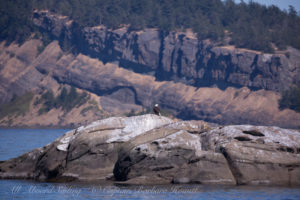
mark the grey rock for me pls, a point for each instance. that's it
(151, 149)
(179, 57)
(175, 158)
(258, 155)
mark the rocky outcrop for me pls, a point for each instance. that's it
(258, 155)
(172, 154)
(85, 153)
(117, 91)
(20, 76)
(179, 56)
(211, 104)
(151, 149)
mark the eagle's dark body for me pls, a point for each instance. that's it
(156, 110)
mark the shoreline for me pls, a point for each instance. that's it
(111, 183)
(38, 127)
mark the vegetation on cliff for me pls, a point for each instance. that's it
(19, 105)
(291, 99)
(252, 25)
(66, 100)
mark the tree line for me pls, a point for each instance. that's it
(290, 99)
(251, 25)
(66, 100)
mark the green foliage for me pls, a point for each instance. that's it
(41, 48)
(93, 105)
(15, 20)
(11, 54)
(164, 112)
(252, 25)
(290, 99)
(131, 113)
(19, 105)
(134, 113)
(49, 102)
(66, 100)
(86, 109)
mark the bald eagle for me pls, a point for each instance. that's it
(156, 110)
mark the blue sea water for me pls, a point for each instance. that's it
(14, 142)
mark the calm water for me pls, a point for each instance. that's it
(14, 142)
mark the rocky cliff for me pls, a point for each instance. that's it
(178, 56)
(117, 91)
(132, 70)
(150, 149)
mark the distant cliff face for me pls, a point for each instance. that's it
(179, 56)
(119, 91)
(135, 70)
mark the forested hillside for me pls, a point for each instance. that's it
(69, 62)
(251, 26)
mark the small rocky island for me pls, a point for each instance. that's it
(150, 149)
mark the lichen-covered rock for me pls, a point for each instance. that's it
(172, 155)
(257, 154)
(85, 153)
(150, 149)
(93, 152)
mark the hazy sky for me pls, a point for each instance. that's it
(283, 4)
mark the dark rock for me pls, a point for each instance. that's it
(242, 138)
(181, 56)
(254, 133)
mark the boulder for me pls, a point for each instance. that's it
(94, 149)
(151, 149)
(258, 154)
(171, 154)
(85, 153)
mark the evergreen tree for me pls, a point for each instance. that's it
(291, 99)
(252, 25)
